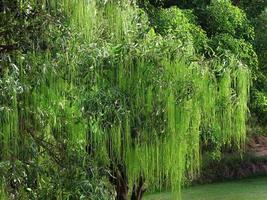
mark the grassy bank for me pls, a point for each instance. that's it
(246, 189)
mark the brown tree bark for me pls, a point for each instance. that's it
(119, 179)
(138, 189)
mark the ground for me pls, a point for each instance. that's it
(246, 189)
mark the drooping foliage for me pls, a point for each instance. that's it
(42, 131)
(230, 25)
(118, 88)
(155, 96)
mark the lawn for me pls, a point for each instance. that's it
(247, 189)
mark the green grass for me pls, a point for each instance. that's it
(247, 189)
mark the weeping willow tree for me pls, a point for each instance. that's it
(134, 100)
(160, 101)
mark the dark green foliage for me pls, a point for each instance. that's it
(181, 24)
(184, 4)
(42, 154)
(225, 46)
(253, 8)
(260, 24)
(223, 17)
(259, 105)
(259, 94)
(42, 178)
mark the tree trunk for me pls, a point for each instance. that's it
(138, 189)
(119, 179)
